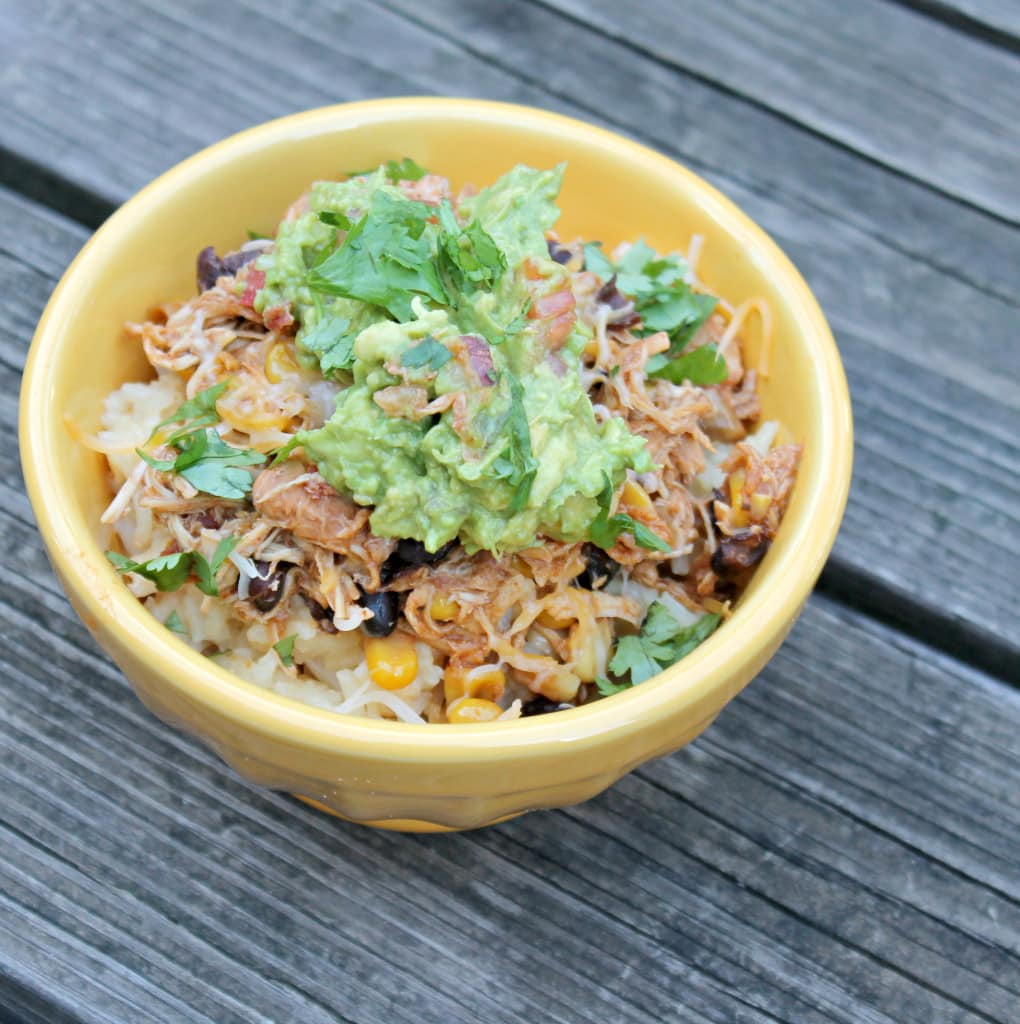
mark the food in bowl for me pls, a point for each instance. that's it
(416, 457)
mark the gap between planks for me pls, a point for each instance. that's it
(987, 30)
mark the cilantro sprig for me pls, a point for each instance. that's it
(605, 529)
(665, 302)
(203, 458)
(194, 414)
(468, 257)
(661, 642)
(404, 170)
(385, 259)
(171, 572)
(517, 464)
(209, 464)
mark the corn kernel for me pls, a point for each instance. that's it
(487, 684)
(736, 483)
(486, 681)
(255, 421)
(444, 609)
(392, 661)
(635, 496)
(280, 363)
(468, 710)
(760, 504)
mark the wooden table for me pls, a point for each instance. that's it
(844, 843)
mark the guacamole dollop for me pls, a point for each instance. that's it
(462, 412)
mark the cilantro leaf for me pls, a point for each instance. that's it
(385, 259)
(335, 219)
(174, 624)
(285, 649)
(632, 657)
(662, 642)
(332, 342)
(468, 256)
(607, 688)
(206, 571)
(255, 236)
(597, 262)
(605, 529)
(429, 352)
(195, 413)
(404, 170)
(657, 284)
(701, 366)
(168, 572)
(518, 465)
(214, 467)
(208, 463)
(171, 572)
(679, 312)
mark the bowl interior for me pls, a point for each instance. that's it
(613, 191)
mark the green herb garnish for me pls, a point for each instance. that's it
(385, 259)
(605, 529)
(332, 341)
(517, 465)
(429, 352)
(468, 257)
(701, 366)
(209, 464)
(665, 302)
(662, 642)
(171, 572)
(404, 170)
(195, 413)
(174, 624)
(285, 649)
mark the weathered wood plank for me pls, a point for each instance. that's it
(838, 847)
(995, 20)
(947, 101)
(893, 263)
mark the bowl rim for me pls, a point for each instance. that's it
(762, 616)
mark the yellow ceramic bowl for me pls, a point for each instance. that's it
(384, 773)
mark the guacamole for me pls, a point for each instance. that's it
(462, 412)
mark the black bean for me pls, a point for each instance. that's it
(266, 589)
(560, 253)
(233, 261)
(385, 609)
(322, 614)
(599, 568)
(409, 553)
(738, 553)
(542, 706)
(211, 267)
(611, 296)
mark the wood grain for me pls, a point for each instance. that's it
(947, 102)
(840, 845)
(905, 274)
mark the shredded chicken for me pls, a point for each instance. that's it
(540, 621)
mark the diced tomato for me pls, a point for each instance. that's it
(560, 328)
(549, 306)
(532, 271)
(254, 282)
